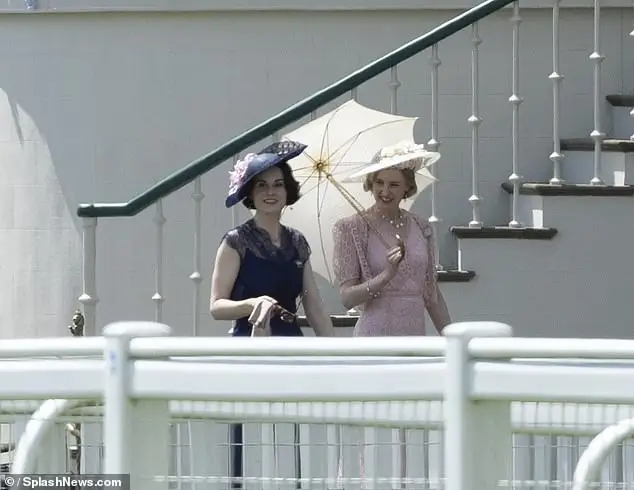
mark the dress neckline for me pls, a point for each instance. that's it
(266, 236)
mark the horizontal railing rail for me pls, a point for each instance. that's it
(301, 109)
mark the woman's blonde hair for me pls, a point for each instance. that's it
(408, 175)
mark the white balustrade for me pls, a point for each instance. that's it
(89, 298)
(632, 111)
(475, 120)
(556, 78)
(196, 275)
(597, 58)
(235, 218)
(515, 178)
(434, 145)
(158, 296)
(394, 86)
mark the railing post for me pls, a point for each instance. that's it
(133, 434)
(477, 434)
(89, 298)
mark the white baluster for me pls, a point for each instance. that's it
(596, 56)
(632, 111)
(313, 115)
(475, 122)
(394, 86)
(434, 144)
(516, 178)
(234, 209)
(556, 78)
(353, 94)
(157, 297)
(89, 298)
(196, 276)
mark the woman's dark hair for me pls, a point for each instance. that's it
(290, 184)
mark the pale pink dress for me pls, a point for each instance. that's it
(359, 255)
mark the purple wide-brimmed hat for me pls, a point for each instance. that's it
(255, 163)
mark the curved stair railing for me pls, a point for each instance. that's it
(591, 461)
(36, 430)
(302, 109)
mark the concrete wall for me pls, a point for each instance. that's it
(99, 106)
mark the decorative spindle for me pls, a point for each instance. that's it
(354, 94)
(475, 122)
(596, 56)
(88, 298)
(157, 297)
(632, 111)
(196, 275)
(434, 144)
(235, 218)
(394, 86)
(556, 78)
(516, 178)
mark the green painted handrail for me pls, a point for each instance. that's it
(197, 168)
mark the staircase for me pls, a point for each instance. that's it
(534, 228)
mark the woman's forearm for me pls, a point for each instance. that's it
(357, 294)
(439, 313)
(226, 309)
(319, 320)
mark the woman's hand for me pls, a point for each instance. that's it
(394, 257)
(263, 308)
(266, 300)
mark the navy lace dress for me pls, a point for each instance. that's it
(266, 270)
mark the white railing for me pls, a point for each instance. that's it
(475, 409)
(435, 118)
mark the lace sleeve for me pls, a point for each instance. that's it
(235, 241)
(430, 291)
(345, 259)
(302, 246)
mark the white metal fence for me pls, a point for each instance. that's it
(476, 409)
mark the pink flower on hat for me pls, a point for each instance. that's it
(239, 169)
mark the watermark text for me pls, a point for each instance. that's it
(66, 482)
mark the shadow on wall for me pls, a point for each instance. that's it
(42, 178)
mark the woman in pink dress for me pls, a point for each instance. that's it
(384, 259)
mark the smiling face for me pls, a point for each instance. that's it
(269, 192)
(389, 187)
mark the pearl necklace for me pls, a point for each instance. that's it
(395, 222)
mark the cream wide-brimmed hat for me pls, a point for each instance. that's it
(403, 155)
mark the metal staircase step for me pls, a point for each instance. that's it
(587, 144)
(620, 100)
(546, 189)
(525, 233)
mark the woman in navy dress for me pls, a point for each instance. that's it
(262, 265)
